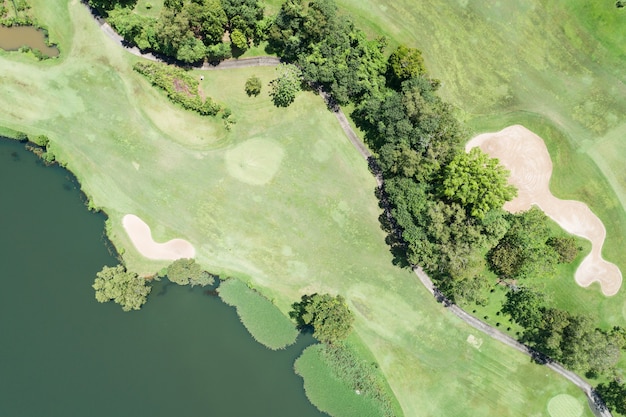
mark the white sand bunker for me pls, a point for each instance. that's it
(255, 161)
(526, 156)
(140, 235)
(564, 405)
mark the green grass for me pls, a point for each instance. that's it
(266, 323)
(311, 227)
(330, 394)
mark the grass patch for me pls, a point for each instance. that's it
(328, 392)
(265, 322)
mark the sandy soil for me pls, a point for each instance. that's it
(140, 235)
(526, 156)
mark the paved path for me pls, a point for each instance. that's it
(596, 403)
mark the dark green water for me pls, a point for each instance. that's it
(63, 354)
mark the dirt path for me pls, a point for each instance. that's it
(597, 406)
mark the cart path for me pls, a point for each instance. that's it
(597, 405)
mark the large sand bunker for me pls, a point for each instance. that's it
(526, 156)
(140, 235)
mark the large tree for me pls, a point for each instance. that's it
(404, 63)
(123, 287)
(477, 182)
(284, 88)
(329, 316)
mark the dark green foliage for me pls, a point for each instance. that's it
(414, 119)
(525, 307)
(363, 377)
(219, 52)
(253, 86)
(523, 251)
(123, 287)
(329, 49)
(40, 140)
(565, 247)
(243, 16)
(188, 272)
(103, 6)
(477, 182)
(614, 396)
(329, 316)
(404, 63)
(571, 339)
(180, 87)
(284, 88)
(620, 4)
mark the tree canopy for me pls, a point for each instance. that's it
(284, 88)
(477, 182)
(329, 316)
(188, 272)
(123, 287)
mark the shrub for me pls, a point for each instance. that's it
(253, 86)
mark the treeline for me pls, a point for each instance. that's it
(188, 30)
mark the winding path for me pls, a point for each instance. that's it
(596, 403)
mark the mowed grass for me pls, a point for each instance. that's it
(556, 68)
(311, 226)
(265, 322)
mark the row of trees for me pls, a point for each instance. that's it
(572, 339)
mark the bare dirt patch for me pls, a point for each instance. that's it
(141, 236)
(526, 156)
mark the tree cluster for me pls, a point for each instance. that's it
(614, 396)
(188, 30)
(571, 339)
(329, 316)
(329, 49)
(123, 287)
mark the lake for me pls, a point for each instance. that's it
(14, 37)
(63, 354)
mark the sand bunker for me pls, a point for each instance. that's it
(526, 156)
(140, 235)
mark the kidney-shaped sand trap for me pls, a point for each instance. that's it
(526, 156)
(139, 233)
(254, 161)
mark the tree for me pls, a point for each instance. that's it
(614, 396)
(188, 272)
(525, 307)
(239, 40)
(253, 86)
(523, 251)
(565, 247)
(123, 287)
(284, 88)
(477, 182)
(329, 316)
(404, 63)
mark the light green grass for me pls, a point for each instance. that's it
(266, 323)
(311, 228)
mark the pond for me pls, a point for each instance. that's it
(14, 37)
(63, 354)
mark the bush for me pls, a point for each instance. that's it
(253, 86)
(179, 86)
